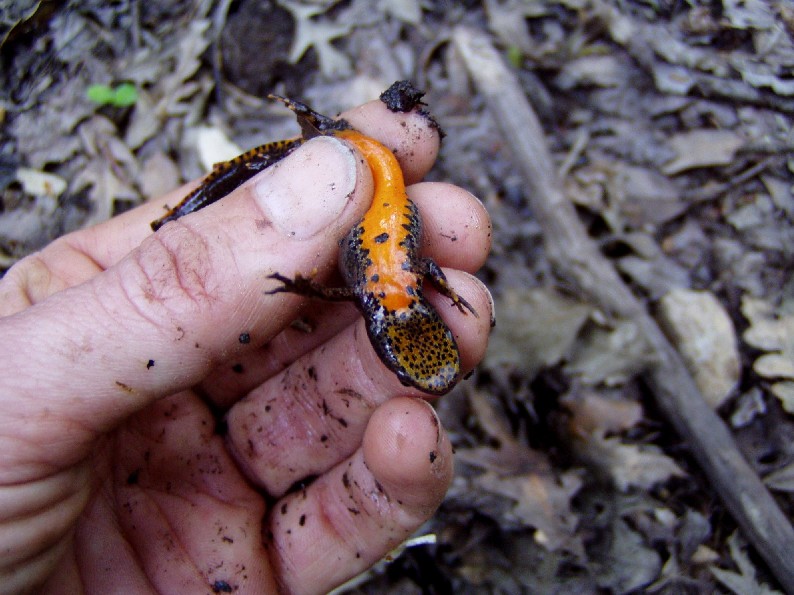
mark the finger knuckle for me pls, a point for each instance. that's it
(173, 276)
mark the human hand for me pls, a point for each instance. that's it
(148, 447)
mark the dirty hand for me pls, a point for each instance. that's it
(159, 413)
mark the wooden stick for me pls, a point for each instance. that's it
(577, 258)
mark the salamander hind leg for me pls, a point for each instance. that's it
(419, 348)
(431, 270)
(308, 287)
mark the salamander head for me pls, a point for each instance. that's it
(418, 347)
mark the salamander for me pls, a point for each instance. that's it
(379, 257)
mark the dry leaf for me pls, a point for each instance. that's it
(318, 34)
(643, 466)
(609, 356)
(782, 479)
(643, 195)
(628, 465)
(515, 471)
(656, 275)
(608, 70)
(772, 331)
(213, 146)
(159, 174)
(46, 135)
(507, 20)
(536, 328)
(110, 171)
(170, 95)
(703, 333)
(594, 414)
(38, 183)
(702, 148)
(784, 390)
(743, 582)
(749, 405)
(593, 418)
(541, 501)
(630, 564)
(407, 11)
(512, 456)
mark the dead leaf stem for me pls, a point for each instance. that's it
(576, 257)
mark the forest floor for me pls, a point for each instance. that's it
(669, 125)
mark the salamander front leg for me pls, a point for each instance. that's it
(307, 287)
(432, 271)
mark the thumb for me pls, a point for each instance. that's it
(165, 315)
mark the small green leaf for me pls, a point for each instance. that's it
(514, 56)
(125, 95)
(101, 94)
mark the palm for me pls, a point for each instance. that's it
(183, 518)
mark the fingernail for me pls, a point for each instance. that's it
(306, 192)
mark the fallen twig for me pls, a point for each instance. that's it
(576, 257)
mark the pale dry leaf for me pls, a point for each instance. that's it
(609, 356)
(213, 146)
(643, 195)
(318, 34)
(784, 391)
(594, 414)
(190, 47)
(106, 188)
(749, 405)
(28, 228)
(507, 20)
(110, 171)
(608, 70)
(673, 79)
(38, 183)
(753, 213)
(491, 420)
(781, 192)
(702, 331)
(656, 275)
(143, 69)
(170, 95)
(749, 14)
(46, 135)
(541, 501)
(757, 78)
(702, 148)
(159, 174)
(511, 456)
(629, 465)
(144, 122)
(773, 331)
(407, 11)
(704, 555)
(782, 479)
(537, 328)
(630, 564)
(745, 581)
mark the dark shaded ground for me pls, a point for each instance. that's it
(671, 126)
